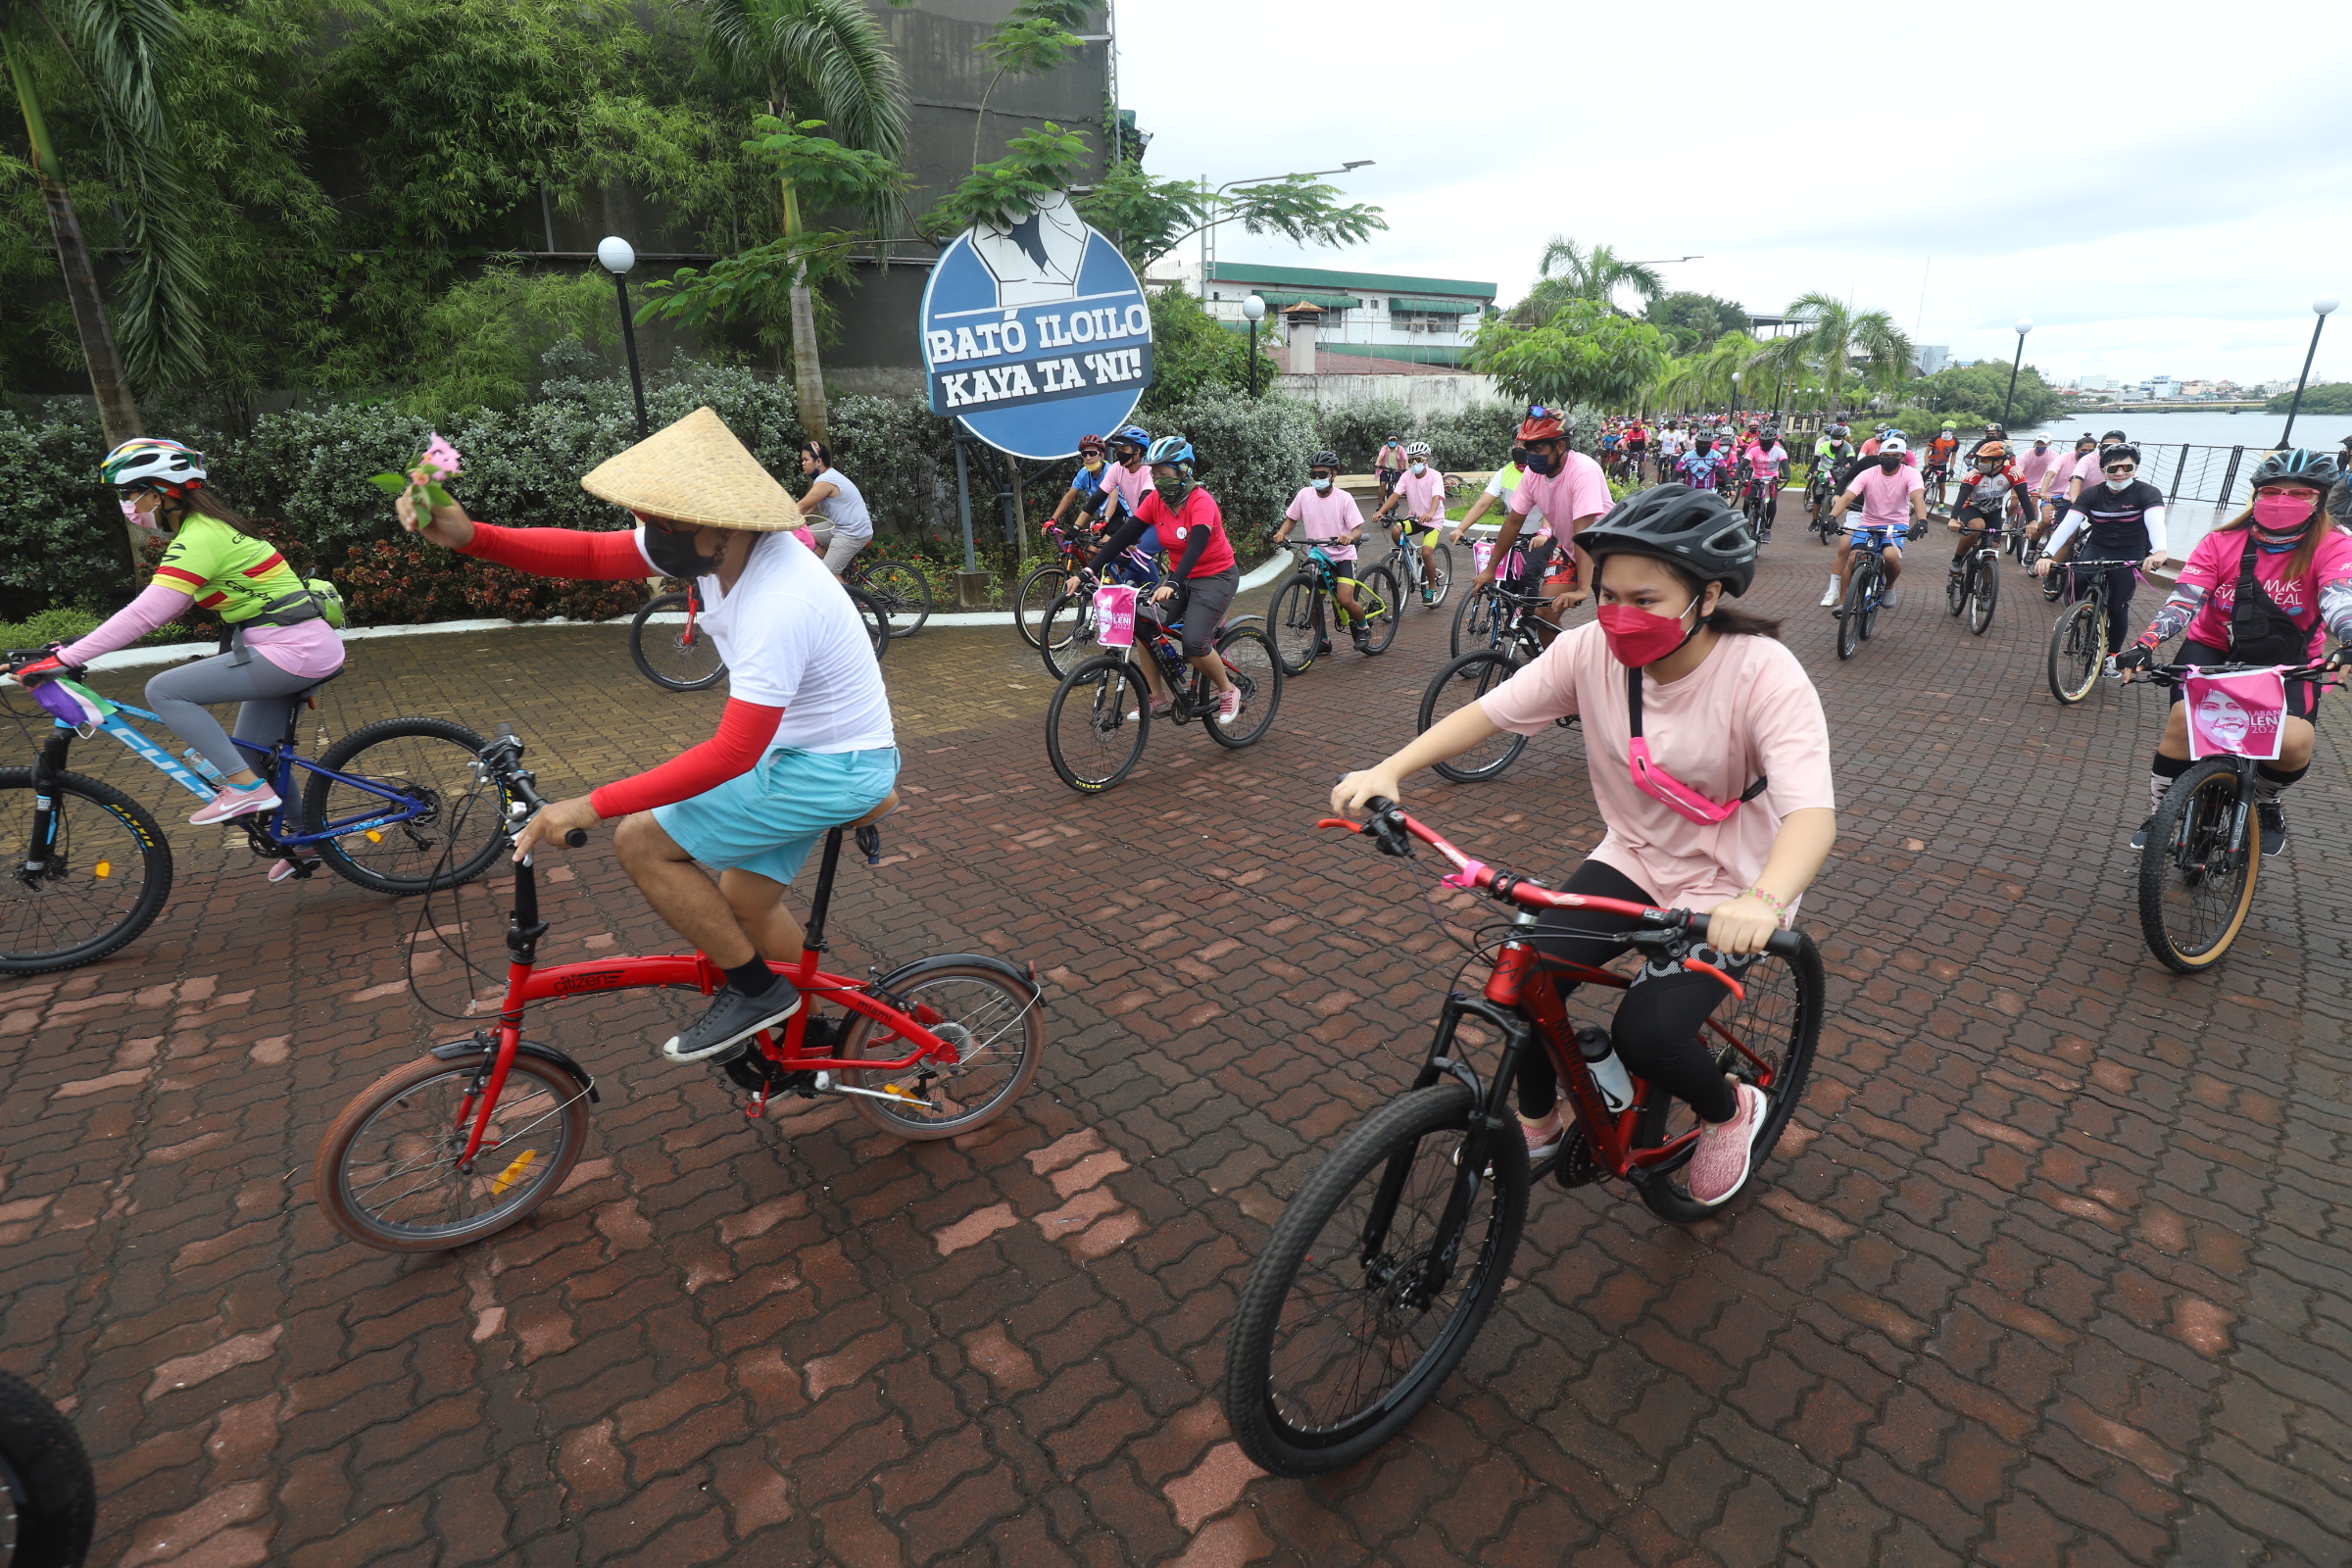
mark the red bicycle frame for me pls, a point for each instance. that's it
(1522, 997)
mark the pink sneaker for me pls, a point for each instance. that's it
(232, 802)
(1719, 1167)
(1229, 704)
(281, 871)
(1544, 1137)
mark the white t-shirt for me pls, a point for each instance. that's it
(846, 509)
(792, 640)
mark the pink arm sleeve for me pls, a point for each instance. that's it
(562, 552)
(134, 620)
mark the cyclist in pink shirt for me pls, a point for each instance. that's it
(1421, 490)
(1571, 492)
(1893, 498)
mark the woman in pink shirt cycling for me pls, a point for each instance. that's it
(1710, 765)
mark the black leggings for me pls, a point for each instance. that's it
(1658, 1023)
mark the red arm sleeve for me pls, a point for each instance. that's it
(562, 552)
(744, 731)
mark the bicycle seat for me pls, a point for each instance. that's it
(890, 804)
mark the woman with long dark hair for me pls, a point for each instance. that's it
(284, 638)
(2264, 588)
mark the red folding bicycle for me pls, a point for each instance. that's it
(1384, 1266)
(474, 1136)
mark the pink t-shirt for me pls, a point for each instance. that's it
(2036, 465)
(2213, 566)
(2091, 468)
(1130, 485)
(1580, 491)
(1765, 461)
(1327, 515)
(1748, 711)
(1885, 497)
(1420, 491)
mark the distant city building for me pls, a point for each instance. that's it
(1933, 357)
(1372, 320)
(2164, 387)
(2097, 383)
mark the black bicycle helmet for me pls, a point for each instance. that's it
(2302, 466)
(1695, 529)
(1325, 460)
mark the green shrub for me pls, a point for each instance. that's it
(1476, 438)
(60, 534)
(1253, 456)
(1357, 431)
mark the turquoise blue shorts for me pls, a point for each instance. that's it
(768, 820)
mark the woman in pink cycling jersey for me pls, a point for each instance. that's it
(1686, 704)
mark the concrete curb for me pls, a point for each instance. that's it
(174, 653)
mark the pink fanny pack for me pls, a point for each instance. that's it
(1663, 787)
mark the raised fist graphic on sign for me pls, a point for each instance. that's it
(1036, 260)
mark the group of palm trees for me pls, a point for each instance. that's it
(1833, 346)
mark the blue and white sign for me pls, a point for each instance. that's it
(1037, 334)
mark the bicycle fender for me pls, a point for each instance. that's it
(461, 1050)
(1023, 975)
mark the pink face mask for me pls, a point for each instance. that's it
(2289, 509)
(1637, 637)
(139, 519)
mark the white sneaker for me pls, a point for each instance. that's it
(1828, 597)
(1894, 597)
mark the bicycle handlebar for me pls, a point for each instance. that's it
(1394, 832)
(2173, 674)
(504, 757)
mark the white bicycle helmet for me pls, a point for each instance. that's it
(1416, 449)
(150, 463)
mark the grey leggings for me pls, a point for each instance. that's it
(267, 692)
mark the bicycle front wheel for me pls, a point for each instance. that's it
(2197, 873)
(1039, 593)
(1294, 625)
(998, 1029)
(48, 1496)
(1377, 598)
(1473, 621)
(388, 1171)
(876, 617)
(422, 765)
(1849, 616)
(1985, 589)
(1067, 637)
(1250, 663)
(1767, 1039)
(103, 881)
(2078, 645)
(1375, 1281)
(1097, 722)
(904, 593)
(676, 655)
(1457, 686)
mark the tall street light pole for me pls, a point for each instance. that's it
(2024, 325)
(2321, 309)
(616, 256)
(1254, 310)
(1210, 227)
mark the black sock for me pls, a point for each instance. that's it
(2281, 776)
(753, 979)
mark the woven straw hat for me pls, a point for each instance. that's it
(695, 472)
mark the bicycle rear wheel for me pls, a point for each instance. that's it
(877, 619)
(1442, 584)
(1457, 686)
(428, 763)
(903, 590)
(1985, 589)
(1378, 600)
(1250, 663)
(387, 1171)
(2078, 645)
(1352, 1317)
(1766, 1039)
(675, 656)
(998, 1032)
(1040, 590)
(103, 882)
(2196, 877)
(1097, 722)
(48, 1496)
(1296, 624)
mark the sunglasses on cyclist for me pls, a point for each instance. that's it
(2121, 467)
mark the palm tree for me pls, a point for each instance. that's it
(115, 47)
(1569, 271)
(825, 60)
(1831, 334)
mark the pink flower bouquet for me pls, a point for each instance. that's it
(422, 484)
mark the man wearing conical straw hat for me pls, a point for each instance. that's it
(806, 743)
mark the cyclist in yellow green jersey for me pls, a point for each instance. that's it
(284, 628)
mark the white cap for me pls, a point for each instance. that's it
(1893, 443)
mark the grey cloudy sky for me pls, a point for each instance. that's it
(2163, 188)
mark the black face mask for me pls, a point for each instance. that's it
(675, 555)
(1891, 462)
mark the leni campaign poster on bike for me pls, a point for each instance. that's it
(1037, 334)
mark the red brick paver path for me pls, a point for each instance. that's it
(2050, 1269)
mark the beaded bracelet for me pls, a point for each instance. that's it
(1779, 907)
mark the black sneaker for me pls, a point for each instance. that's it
(732, 1018)
(2274, 826)
(1363, 640)
(1322, 645)
(2140, 839)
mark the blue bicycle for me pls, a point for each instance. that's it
(1866, 589)
(399, 806)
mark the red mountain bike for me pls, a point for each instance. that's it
(1385, 1266)
(477, 1133)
